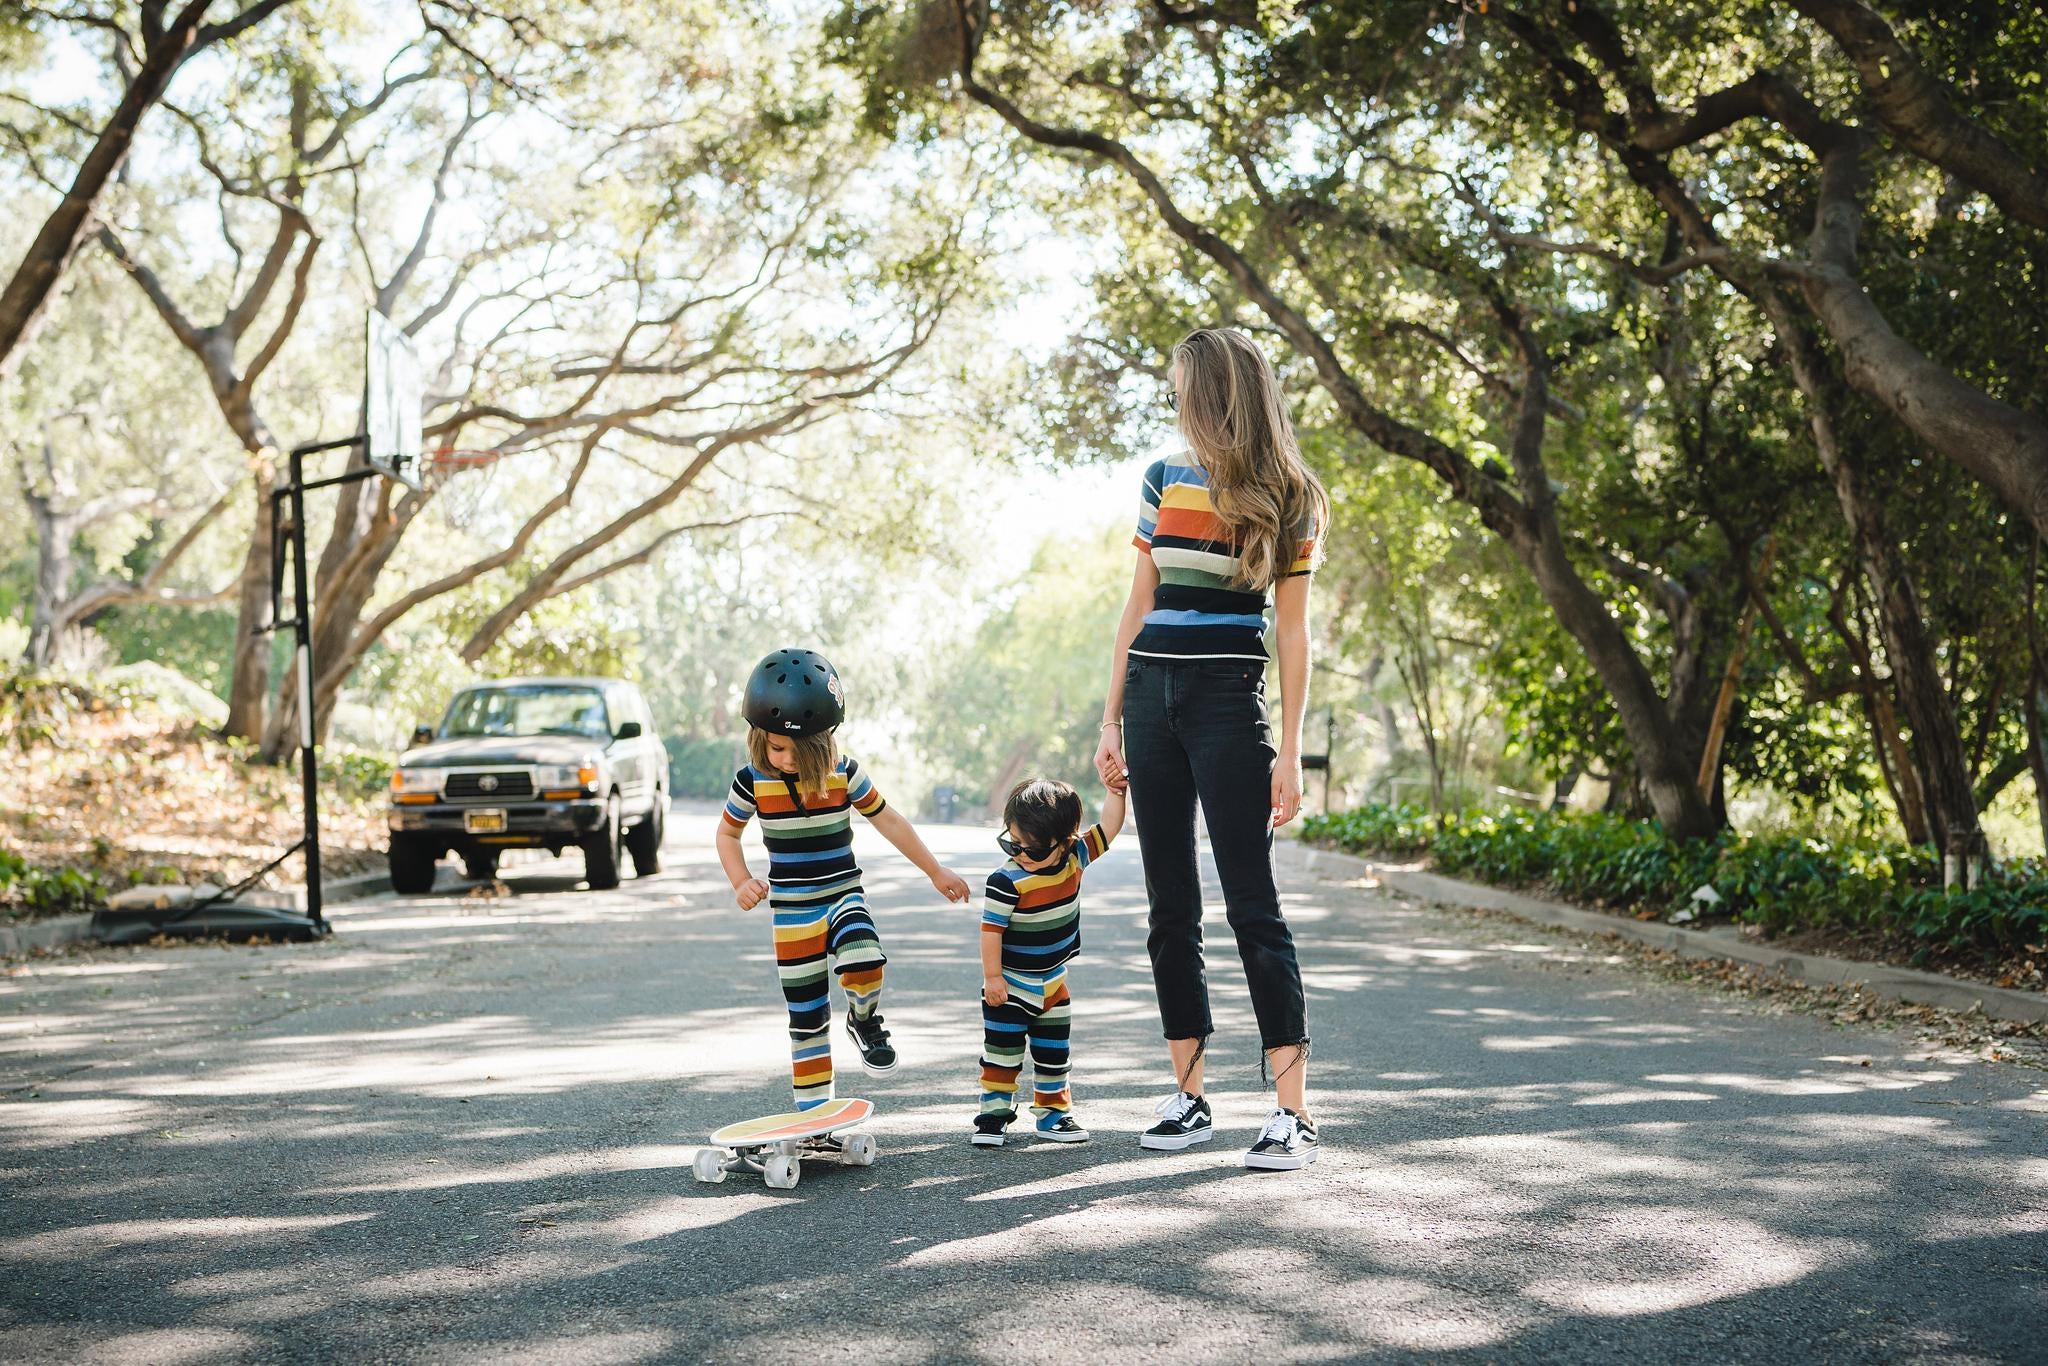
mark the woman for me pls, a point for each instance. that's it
(1222, 523)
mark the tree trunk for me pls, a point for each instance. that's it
(26, 300)
(249, 679)
(54, 562)
(2037, 747)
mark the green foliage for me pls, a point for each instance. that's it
(46, 891)
(1782, 883)
(35, 706)
(702, 767)
(359, 773)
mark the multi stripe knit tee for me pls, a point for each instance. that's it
(809, 835)
(1038, 914)
(1200, 612)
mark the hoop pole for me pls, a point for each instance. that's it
(302, 629)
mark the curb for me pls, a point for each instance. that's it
(64, 930)
(1899, 984)
(54, 933)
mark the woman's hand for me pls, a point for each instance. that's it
(749, 893)
(950, 884)
(1109, 758)
(1286, 788)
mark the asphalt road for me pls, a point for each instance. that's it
(461, 1131)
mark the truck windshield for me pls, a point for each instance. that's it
(535, 710)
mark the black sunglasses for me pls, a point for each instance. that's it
(1015, 850)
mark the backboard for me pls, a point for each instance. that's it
(394, 388)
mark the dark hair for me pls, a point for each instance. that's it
(1044, 811)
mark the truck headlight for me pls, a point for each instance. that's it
(558, 777)
(417, 784)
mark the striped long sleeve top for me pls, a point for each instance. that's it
(809, 837)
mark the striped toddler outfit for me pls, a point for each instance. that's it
(1038, 915)
(1200, 611)
(819, 911)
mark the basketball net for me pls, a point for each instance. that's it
(462, 483)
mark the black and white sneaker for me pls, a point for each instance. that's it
(1184, 1121)
(875, 1053)
(1059, 1127)
(988, 1129)
(1287, 1143)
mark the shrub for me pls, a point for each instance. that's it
(46, 890)
(1781, 882)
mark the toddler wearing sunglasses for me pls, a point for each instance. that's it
(1030, 927)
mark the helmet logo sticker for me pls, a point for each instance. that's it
(838, 688)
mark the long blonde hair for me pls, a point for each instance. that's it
(816, 757)
(1236, 424)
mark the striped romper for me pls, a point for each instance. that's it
(1038, 914)
(820, 913)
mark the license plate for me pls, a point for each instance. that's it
(485, 822)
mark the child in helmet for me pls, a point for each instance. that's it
(806, 792)
(1030, 928)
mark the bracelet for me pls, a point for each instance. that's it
(1107, 724)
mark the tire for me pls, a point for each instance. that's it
(481, 865)
(782, 1173)
(859, 1150)
(601, 850)
(643, 841)
(412, 863)
(708, 1166)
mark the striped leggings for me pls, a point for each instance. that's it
(1038, 1015)
(812, 937)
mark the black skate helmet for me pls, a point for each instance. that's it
(795, 692)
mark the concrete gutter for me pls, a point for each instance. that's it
(60, 931)
(1722, 942)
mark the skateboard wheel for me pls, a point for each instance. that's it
(708, 1165)
(859, 1150)
(781, 1171)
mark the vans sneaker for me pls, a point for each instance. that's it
(875, 1053)
(1060, 1127)
(988, 1128)
(1287, 1143)
(1184, 1121)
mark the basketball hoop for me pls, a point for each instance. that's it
(461, 481)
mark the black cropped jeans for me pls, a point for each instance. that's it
(1198, 730)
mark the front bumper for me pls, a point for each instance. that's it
(528, 824)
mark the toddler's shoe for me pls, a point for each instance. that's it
(1287, 1143)
(875, 1053)
(1060, 1127)
(988, 1129)
(1184, 1121)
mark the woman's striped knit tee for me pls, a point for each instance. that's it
(1200, 611)
(809, 835)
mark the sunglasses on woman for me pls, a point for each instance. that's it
(1016, 850)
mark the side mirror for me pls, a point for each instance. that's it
(422, 734)
(627, 730)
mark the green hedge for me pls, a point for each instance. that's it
(1780, 882)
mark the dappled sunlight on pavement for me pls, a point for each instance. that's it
(462, 1131)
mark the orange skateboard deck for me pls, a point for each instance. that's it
(775, 1145)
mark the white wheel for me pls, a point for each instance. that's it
(708, 1165)
(781, 1172)
(859, 1150)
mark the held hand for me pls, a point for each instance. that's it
(749, 893)
(994, 990)
(1286, 789)
(1109, 759)
(951, 885)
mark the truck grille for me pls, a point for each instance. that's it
(491, 786)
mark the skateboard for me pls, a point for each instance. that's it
(776, 1145)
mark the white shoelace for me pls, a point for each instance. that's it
(1175, 1107)
(1279, 1128)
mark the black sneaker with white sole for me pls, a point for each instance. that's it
(1184, 1121)
(875, 1053)
(1287, 1143)
(988, 1129)
(1059, 1127)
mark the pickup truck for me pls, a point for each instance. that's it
(532, 763)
